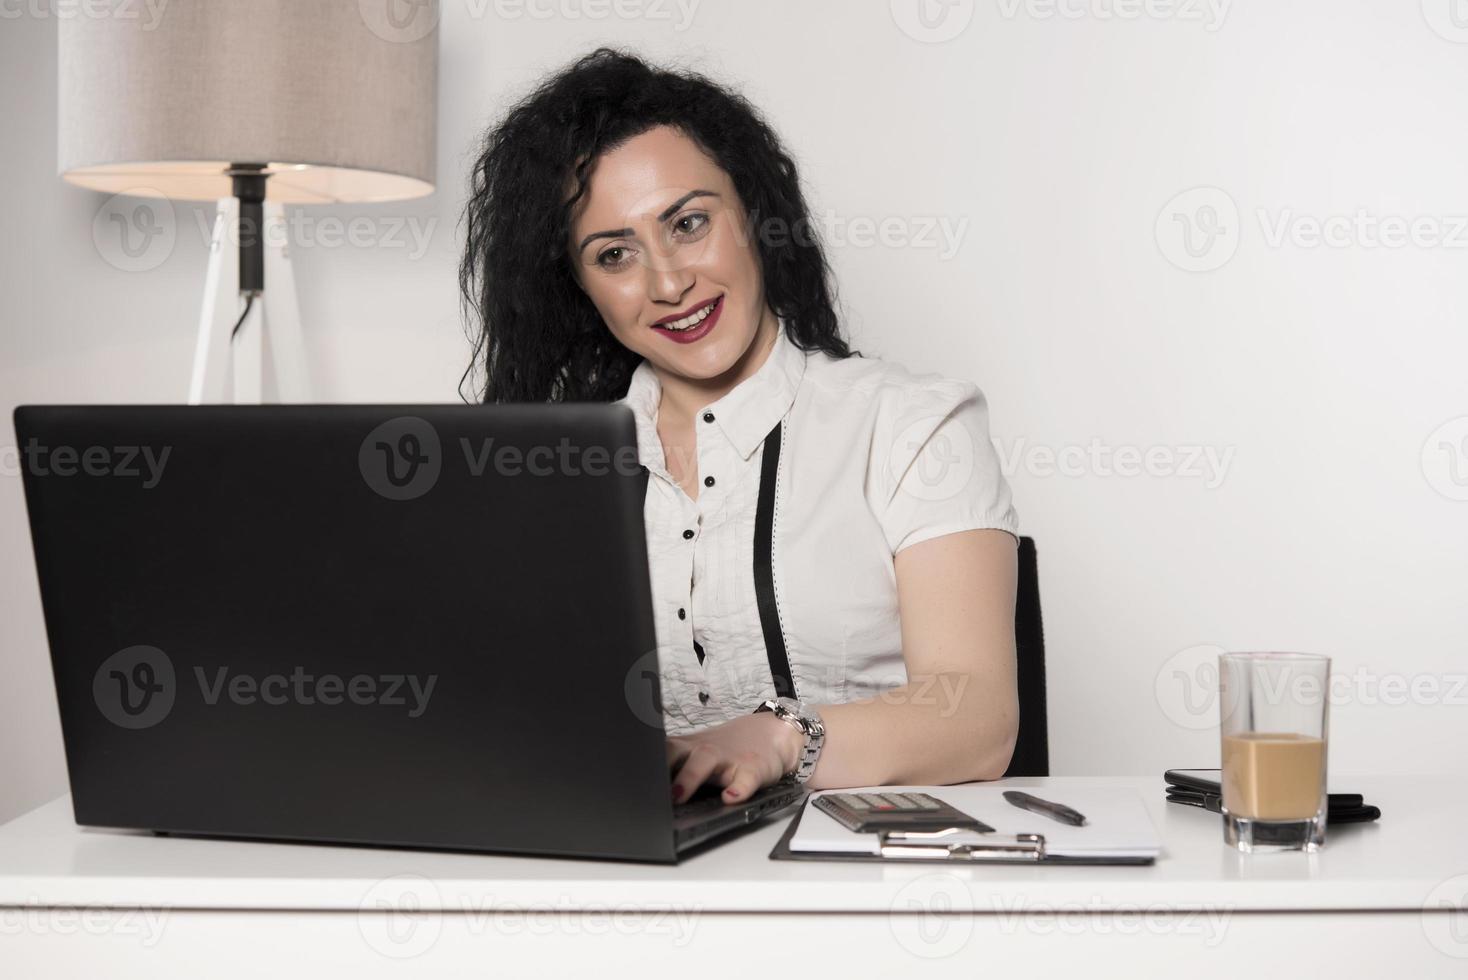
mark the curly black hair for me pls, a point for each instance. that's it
(537, 336)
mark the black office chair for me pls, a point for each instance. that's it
(1032, 746)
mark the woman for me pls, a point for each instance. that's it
(831, 542)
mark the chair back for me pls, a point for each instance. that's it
(1032, 747)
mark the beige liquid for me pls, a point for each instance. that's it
(1273, 775)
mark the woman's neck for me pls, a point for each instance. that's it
(681, 396)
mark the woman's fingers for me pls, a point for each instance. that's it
(742, 783)
(739, 755)
(700, 763)
(678, 749)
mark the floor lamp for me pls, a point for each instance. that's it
(253, 104)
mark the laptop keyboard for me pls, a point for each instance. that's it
(709, 798)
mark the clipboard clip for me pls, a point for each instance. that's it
(956, 843)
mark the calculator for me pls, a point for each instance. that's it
(871, 812)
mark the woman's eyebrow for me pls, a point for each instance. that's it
(668, 212)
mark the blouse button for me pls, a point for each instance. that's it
(708, 481)
(682, 613)
(703, 696)
(687, 534)
(708, 416)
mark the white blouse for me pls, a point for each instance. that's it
(814, 472)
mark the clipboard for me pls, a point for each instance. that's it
(950, 846)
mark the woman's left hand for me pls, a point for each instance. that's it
(742, 755)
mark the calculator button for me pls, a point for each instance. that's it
(925, 801)
(896, 800)
(875, 800)
(853, 801)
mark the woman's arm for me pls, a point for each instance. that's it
(955, 720)
(957, 717)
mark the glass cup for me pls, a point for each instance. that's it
(1274, 713)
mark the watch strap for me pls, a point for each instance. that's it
(811, 727)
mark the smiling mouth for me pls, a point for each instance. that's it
(691, 320)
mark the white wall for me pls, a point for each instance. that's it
(1052, 146)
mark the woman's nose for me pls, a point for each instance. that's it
(668, 280)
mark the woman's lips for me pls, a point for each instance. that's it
(695, 308)
(698, 332)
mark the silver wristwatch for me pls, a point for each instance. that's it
(807, 721)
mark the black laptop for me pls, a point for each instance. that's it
(408, 626)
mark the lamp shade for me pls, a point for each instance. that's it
(337, 98)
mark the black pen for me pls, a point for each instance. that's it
(1055, 811)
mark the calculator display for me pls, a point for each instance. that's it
(871, 812)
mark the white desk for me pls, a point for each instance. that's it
(1378, 901)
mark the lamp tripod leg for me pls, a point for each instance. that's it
(285, 347)
(211, 378)
(266, 358)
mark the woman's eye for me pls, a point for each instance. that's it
(613, 258)
(691, 224)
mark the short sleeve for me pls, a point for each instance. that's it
(941, 472)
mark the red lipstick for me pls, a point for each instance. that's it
(694, 333)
